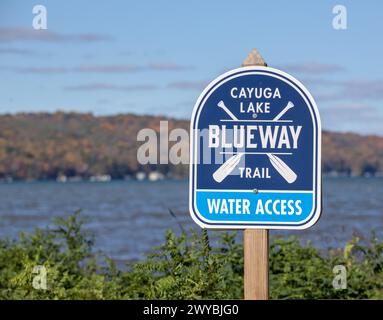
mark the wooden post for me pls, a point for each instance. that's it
(256, 260)
(256, 241)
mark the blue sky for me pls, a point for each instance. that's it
(154, 57)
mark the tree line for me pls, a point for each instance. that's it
(43, 146)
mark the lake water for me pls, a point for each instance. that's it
(129, 218)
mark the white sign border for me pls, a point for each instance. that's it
(317, 136)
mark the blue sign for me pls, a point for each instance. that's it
(255, 152)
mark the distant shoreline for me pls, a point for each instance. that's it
(76, 146)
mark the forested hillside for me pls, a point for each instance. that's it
(47, 145)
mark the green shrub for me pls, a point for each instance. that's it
(188, 266)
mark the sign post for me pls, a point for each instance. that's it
(255, 241)
(256, 264)
(255, 160)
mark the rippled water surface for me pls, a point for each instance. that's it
(129, 218)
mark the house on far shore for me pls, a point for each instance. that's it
(100, 178)
(155, 176)
(62, 178)
(140, 176)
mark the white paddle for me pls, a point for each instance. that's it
(227, 167)
(285, 109)
(282, 168)
(221, 104)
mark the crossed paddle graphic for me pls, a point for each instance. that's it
(228, 166)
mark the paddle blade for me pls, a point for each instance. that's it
(282, 168)
(226, 168)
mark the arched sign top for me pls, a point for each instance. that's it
(255, 152)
